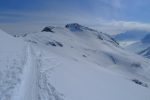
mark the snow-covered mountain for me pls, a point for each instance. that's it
(141, 45)
(70, 63)
(146, 39)
(133, 35)
(130, 37)
(146, 42)
(145, 52)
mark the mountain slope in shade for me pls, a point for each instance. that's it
(145, 51)
(71, 65)
(146, 39)
(132, 35)
(141, 46)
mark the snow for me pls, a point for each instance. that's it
(137, 47)
(146, 39)
(140, 46)
(125, 44)
(83, 82)
(12, 59)
(84, 67)
(131, 35)
(28, 89)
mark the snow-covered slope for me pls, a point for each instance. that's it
(12, 59)
(73, 63)
(88, 45)
(140, 46)
(145, 53)
(146, 39)
(130, 37)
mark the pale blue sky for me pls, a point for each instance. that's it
(14, 13)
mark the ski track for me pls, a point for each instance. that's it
(28, 88)
(35, 84)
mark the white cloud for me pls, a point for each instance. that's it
(115, 27)
(36, 21)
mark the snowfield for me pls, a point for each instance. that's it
(12, 61)
(70, 63)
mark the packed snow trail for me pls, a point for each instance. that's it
(28, 90)
(35, 84)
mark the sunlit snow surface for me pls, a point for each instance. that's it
(70, 65)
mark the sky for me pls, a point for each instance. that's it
(111, 16)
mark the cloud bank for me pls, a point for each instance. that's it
(110, 16)
(116, 27)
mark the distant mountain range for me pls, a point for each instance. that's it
(141, 47)
(131, 35)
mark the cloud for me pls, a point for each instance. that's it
(110, 16)
(117, 3)
(20, 22)
(116, 27)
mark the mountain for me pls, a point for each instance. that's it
(141, 45)
(146, 42)
(73, 62)
(146, 39)
(131, 35)
(145, 52)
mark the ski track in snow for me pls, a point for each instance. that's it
(35, 84)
